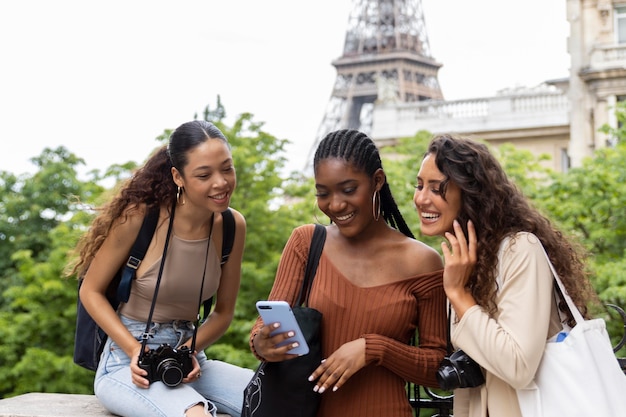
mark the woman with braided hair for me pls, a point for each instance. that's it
(375, 287)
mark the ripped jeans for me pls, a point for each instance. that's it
(220, 388)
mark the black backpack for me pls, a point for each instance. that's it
(89, 338)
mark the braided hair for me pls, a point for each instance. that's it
(357, 149)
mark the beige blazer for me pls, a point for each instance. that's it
(508, 346)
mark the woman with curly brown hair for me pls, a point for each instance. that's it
(190, 181)
(496, 277)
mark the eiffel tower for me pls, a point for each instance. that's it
(386, 58)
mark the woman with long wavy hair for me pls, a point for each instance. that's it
(496, 277)
(190, 182)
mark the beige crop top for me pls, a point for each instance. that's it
(180, 283)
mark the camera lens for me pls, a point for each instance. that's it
(170, 372)
(448, 378)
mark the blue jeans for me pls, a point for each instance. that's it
(220, 388)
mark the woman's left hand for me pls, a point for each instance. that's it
(459, 259)
(335, 370)
(196, 372)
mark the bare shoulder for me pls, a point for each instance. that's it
(411, 257)
(130, 220)
(430, 259)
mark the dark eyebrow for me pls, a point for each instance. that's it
(346, 182)
(433, 181)
(210, 168)
(341, 184)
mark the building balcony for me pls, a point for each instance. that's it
(608, 56)
(514, 109)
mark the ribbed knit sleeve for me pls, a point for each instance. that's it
(419, 363)
(290, 273)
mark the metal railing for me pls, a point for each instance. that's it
(439, 402)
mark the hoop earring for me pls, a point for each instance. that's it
(375, 211)
(180, 192)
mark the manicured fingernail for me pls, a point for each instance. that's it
(335, 388)
(316, 388)
(275, 325)
(291, 334)
(295, 345)
(311, 378)
(321, 391)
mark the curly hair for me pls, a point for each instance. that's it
(360, 151)
(151, 185)
(498, 209)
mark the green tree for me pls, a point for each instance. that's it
(37, 323)
(590, 204)
(31, 206)
(41, 217)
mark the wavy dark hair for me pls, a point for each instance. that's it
(498, 209)
(359, 150)
(151, 185)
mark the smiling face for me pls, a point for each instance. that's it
(436, 213)
(209, 176)
(344, 194)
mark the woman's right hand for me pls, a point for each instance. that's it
(266, 345)
(137, 374)
(459, 259)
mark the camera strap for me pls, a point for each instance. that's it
(206, 258)
(449, 342)
(146, 333)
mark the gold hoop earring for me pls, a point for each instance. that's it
(375, 211)
(180, 192)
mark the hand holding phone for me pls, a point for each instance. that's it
(280, 312)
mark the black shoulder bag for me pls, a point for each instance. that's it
(283, 388)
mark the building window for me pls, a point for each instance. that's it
(620, 24)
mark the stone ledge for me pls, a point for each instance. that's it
(36, 404)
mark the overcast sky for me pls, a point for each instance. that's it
(104, 78)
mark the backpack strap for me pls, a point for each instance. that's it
(228, 234)
(228, 239)
(137, 252)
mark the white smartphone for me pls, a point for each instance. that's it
(280, 312)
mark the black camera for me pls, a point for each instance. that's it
(459, 371)
(167, 364)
